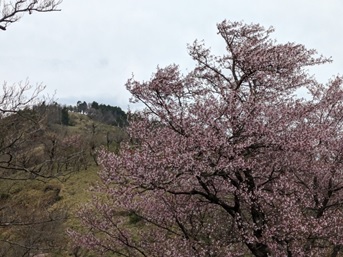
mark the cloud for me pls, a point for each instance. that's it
(90, 49)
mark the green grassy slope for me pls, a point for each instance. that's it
(35, 213)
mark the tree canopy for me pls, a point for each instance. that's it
(227, 159)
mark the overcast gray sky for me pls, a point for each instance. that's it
(89, 49)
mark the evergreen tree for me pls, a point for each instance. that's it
(65, 116)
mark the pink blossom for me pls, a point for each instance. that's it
(226, 160)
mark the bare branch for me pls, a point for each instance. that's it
(19, 96)
(12, 11)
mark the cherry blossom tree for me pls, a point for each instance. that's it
(226, 160)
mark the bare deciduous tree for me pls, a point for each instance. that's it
(25, 214)
(18, 96)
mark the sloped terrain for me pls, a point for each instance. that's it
(36, 209)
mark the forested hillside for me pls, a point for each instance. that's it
(48, 161)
